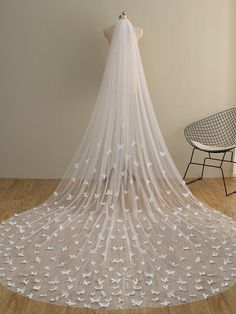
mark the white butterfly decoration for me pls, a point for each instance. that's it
(104, 305)
(181, 281)
(216, 247)
(96, 196)
(64, 294)
(11, 284)
(130, 293)
(70, 279)
(171, 294)
(215, 290)
(205, 295)
(198, 259)
(210, 281)
(70, 302)
(19, 247)
(136, 163)
(165, 302)
(8, 261)
(25, 282)
(117, 293)
(37, 280)
(148, 282)
(53, 258)
(80, 299)
(73, 256)
(86, 282)
(224, 284)
(70, 287)
(80, 292)
(96, 299)
(136, 302)
(69, 197)
(117, 281)
(165, 279)
(104, 176)
(30, 295)
(21, 290)
(227, 261)
(120, 146)
(87, 305)
(187, 194)
(86, 275)
(149, 275)
(135, 282)
(133, 143)
(155, 299)
(116, 287)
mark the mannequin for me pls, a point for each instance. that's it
(108, 31)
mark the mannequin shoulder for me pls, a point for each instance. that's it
(139, 32)
(107, 31)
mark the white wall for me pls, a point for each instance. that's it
(51, 62)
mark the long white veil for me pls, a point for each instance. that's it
(121, 229)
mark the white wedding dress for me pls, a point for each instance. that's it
(122, 229)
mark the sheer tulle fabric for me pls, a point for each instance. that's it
(122, 229)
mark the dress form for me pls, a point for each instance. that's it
(108, 31)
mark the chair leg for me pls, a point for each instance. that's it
(186, 170)
(223, 176)
(204, 164)
(191, 163)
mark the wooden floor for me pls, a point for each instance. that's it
(18, 195)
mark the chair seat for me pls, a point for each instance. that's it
(209, 148)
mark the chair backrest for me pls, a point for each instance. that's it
(216, 130)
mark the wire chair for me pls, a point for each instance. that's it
(213, 135)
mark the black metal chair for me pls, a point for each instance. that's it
(213, 135)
